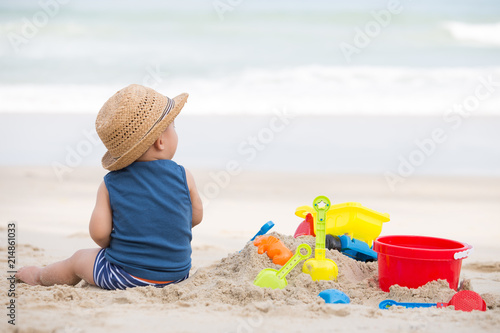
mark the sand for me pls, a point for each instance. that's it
(220, 296)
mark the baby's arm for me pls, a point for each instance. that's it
(101, 222)
(195, 199)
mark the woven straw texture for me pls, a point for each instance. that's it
(132, 120)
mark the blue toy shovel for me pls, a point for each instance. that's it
(263, 230)
(389, 302)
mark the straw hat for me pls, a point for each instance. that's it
(132, 120)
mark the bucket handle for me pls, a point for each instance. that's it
(464, 254)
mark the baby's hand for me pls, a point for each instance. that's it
(195, 199)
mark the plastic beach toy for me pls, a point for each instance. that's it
(271, 278)
(465, 300)
(263, 230)
(319, 267)
(334, 296)
(389, 302)
(412, 261)
(353, 248)
(350, 218)
(306, 227)
(276, 250)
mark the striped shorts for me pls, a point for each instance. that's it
(110, 276)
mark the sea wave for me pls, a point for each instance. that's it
(481, 34)
(322, 90)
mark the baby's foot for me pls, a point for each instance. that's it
(29, 275)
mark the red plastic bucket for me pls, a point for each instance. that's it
(412, 261)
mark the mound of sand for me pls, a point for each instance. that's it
(230, 281)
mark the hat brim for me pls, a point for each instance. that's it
(112, 164)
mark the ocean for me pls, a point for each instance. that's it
(435, 59)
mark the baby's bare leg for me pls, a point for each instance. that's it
(70, 271)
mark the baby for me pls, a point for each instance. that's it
(146, 206)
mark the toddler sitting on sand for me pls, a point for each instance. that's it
(146, 206)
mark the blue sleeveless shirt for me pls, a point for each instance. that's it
(152, 216)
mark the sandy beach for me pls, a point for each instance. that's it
(52, 221)
(391, 104)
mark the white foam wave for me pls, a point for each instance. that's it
(488, 34)
(305, 90)
(53, 98)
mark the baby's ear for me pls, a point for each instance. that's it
(159, 143)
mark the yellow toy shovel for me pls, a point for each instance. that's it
(271, 278)
(319, 267)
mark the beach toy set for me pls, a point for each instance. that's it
(351, 228)
(319, 267)
(354, 230)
